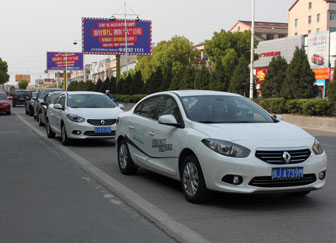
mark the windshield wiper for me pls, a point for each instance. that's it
(207, 122)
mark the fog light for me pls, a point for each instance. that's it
(76, 132)
(233, 179)
(322, 175)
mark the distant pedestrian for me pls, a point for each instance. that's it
(108, 93)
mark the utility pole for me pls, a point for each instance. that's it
(252, 52)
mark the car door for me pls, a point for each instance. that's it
(165, 139)
(138, 130)
(55, 115)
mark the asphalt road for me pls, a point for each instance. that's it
(44, 197)
(226, 218)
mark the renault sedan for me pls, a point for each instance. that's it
(217, 141)
(82, 115)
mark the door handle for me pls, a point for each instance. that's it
(130, 127)
(151, 133)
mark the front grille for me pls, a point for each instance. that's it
(93, 134)
(266, 181)
(98, 122)
(276, 156)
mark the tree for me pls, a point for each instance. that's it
(4, 77)
(225, 49)
(202, 79)
(188, 78)
(154, 82)
(137, 86)
(99, 86)
(23, 84)
(276, 74)
(240, 82)
(300, 79)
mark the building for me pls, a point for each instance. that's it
(311, 16)
(263, 30)
(320, 48)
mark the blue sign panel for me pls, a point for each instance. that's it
(64, 61)
(106, 37)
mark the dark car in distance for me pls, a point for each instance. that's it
(48, 99)
(40, 97)
(30, 104)
(20, 97)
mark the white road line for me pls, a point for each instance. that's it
(161, 219)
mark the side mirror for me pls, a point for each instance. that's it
(169, 120)
(58, 106)
(121, 106)
(278, 117)
(34, 98)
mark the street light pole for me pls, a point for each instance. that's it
(252, 52)
(84, 70)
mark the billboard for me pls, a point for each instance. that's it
(64, 61)
(318, 50)
(322, 73)
(20, 77)
(105, 37)
(261, 74)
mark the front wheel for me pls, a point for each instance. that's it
(39, 119)
(125, 162)
(64, 136)
(50, 133)
(192, 181)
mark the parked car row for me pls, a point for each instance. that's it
(5, 105)
(207, 140)
(75, 115)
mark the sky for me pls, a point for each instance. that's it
(29, 29)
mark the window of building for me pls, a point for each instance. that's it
(269, 36)
(332, 29)
(309, 31)
(318, 30)
(282, 36)
(296, 33)
(238, 27)
(332, 15)
(309, 19)
(318, 18)
(310, 5)
(296, 22)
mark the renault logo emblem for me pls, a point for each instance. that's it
(287, 157)
(102, 122)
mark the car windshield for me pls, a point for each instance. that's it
(53, 98)
(3, 97)
(45, 92)
(22, 93)
(224, 109)
(89, 101)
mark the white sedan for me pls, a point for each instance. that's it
(82, 115)
(217, 141)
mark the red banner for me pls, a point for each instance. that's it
(261, 74)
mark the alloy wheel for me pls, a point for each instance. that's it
(190, 179)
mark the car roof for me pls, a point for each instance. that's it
(84, 92)
(185, 93)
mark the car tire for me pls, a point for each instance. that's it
(8, 113)
(192, 181)
(64, 136)
(14, 104)
(38, 116)
(126, 165)
(26, 111)
(50, 133)
(39, 120)
(31, 112)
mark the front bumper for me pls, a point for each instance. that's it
(256, 174)
(5, 108)
(87, 131)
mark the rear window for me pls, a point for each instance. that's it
(47, 91)
(22, 93)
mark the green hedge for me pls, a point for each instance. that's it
(128, 98)
(309, 107)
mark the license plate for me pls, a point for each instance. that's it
(21, 98)
(287, 173)
(102, 129)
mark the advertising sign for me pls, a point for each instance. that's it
(318, 50)
(20, 77)
(261, 74)
(64, 61)
(322, 73)
(106, 37)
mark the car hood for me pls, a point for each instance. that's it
(4, 102)
(281, 134)
(96, 113)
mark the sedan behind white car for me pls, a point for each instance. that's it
(82, 115)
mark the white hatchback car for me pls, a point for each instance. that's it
(82, 115)
(218, 141)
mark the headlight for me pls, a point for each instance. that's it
(317, 149)
(75, 118)
(226, 148)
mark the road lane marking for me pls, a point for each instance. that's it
(156, 216)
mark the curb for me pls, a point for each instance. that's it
(322, 123)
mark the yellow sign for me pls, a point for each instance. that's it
(20, 77)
